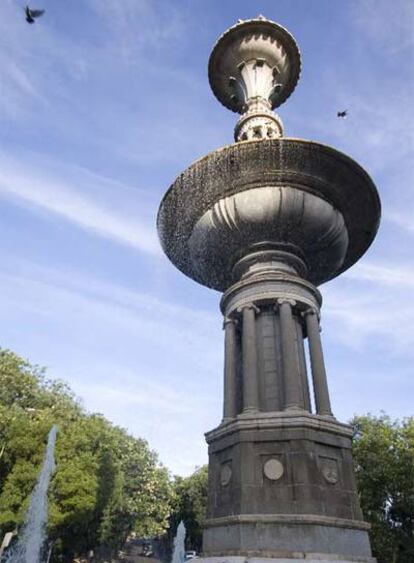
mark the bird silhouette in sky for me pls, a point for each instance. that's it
(31, 15)
(342, 114)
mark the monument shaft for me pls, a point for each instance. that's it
(265, 221)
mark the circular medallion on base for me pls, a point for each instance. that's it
(225, 475)
(273, 469)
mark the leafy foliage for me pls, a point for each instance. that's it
(190, 506)
(384, 464)
(107, 483)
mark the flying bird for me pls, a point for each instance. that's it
(342, 114)
(32, 14)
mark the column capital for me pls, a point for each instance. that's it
(229, 320)
(311, 311)
(289, 301)
(255, 308)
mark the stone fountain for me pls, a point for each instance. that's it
(265, 221)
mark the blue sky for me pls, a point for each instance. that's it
(102, 104)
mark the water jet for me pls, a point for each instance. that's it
(33, 535)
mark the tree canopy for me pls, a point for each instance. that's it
(107, 483)
(190, 506)
(384, 465)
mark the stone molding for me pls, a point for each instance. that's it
(310, 519)
(230, 320)
(283, 258)
(283, 557)
(268, 297)
(248, 305)
(269, 288)
(254, 125)
(287, 300)
(277, 420)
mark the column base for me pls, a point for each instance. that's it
(248, 411)
(298, 558)
(286, 537)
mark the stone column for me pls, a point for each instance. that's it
(230, 367)
(289, 355)
(320, 384)
(249, 355)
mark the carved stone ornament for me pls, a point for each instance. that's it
(247, 218)
(225, 474)
(330, 470)
(273, 469)
(253, 68)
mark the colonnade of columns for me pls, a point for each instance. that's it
(241, 367)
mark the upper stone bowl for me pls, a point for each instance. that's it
(298, 196)
(254, 59)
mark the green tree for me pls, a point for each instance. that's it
(384, 465)
(190, 506)
(107, 483)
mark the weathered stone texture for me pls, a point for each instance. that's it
(265, 221)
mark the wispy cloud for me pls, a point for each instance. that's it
(371, 307)
(136, 317)
(389, 23)
(138, 359)
(397, 276)
(32, 186)
(145, 394)
(173, 420)
(154, 24)
(402, 219)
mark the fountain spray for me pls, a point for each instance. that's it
(32, 537)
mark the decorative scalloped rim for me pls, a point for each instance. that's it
(291, 47)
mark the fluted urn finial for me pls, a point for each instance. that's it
(254, 67)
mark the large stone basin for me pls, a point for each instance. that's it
(294, 195)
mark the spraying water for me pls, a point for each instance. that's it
(179, 548)
(32, 537)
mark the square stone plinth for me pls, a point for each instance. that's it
(282, 484)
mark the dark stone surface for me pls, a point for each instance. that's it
(284, 540)
(306, 166)
(305, 454)
(317, 489)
